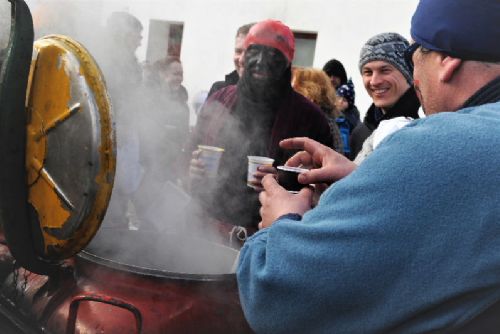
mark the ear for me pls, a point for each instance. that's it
(449, 67)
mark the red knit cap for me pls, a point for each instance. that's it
(274, 34)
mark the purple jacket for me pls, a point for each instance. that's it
(233, 201)
(296, 117)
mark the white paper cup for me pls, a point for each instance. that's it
(210, 155)
(253, 163)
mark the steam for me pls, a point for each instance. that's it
(147, 195)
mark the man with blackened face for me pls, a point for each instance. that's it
(250, 119)
(265, 63)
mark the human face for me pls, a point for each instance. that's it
(174, 75)
(264, 62)
(384, 83)
(134, 38)
(335, 81)
(341, 103)
(426, 81)
(238, 53)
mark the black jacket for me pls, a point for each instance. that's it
(229, 199)
(230, 79)
(406, 106)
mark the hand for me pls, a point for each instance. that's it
(327, 165)
(196, 171)
(259, 175)
(319, 189)
(276, 201)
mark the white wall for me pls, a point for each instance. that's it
(343, 26)
(210, 25)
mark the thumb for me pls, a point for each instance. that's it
(270, 184)
(306, 193)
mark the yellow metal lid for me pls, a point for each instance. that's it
(71, 150)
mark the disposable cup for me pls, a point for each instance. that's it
(253, 163)
(288, 178)
(210, 155)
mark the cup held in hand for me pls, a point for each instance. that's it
(210, 155)
(288, 178)
(253, 163)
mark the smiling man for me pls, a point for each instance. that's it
(233, 77)
(388, 81)
(251, 118)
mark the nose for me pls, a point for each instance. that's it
(375, 79)
(260, 57)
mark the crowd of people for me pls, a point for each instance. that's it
(264, 100)
(246, 114)
(397, 227)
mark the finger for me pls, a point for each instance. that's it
(270, 184)
(296, 143)
(199, 168)
(256, 185)
(320, 175)
(301, 143)
(196, 154)
(266, 170)
(197, 163)
(306, 192)
(259, 175)
(300, 158)
(262, 199)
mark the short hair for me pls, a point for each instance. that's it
(333, 67)
(122, 22)
(244, 29)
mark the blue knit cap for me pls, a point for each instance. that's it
(466, 29)
(347, 91)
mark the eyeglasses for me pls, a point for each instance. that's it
(408, 55)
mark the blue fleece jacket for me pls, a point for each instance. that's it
(409, 242)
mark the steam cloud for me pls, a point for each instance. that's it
(146, 195)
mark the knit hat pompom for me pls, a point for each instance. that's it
(347, 91)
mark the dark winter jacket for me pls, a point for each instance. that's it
(351, 116)
(406, 106)
(230, 79)
(230, 199)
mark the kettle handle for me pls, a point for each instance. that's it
(75, 303)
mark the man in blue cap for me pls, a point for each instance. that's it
(409, 241)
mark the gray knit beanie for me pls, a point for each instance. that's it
(389, 47)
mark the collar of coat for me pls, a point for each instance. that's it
(406, 106)
(488, 94)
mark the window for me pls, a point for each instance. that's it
(305, 46)
(165, 39)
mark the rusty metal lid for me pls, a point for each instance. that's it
(70, 149)
(57, 147)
